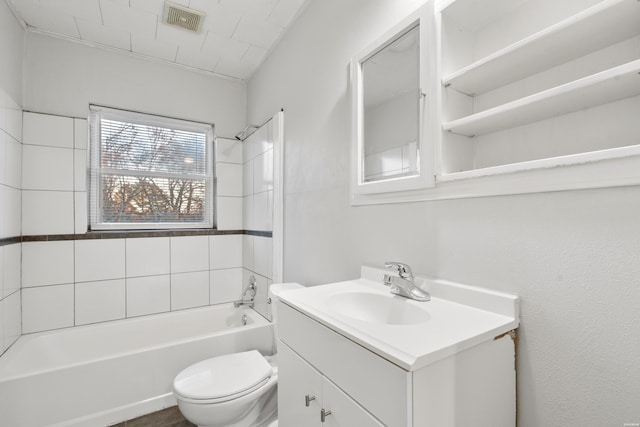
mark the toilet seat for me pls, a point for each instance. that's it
(223, 378)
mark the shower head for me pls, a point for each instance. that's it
(246, 132)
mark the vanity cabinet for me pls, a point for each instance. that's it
(304, 394)
(475, 386)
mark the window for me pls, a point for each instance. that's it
(149, 172)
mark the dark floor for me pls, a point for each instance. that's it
(169, 417)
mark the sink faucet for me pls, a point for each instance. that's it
(403, 284)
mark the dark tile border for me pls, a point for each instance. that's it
(10, 241)
(130, 235)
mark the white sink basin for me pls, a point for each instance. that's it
(376, 308)
(409, 333)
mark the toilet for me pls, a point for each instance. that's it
(233, 390)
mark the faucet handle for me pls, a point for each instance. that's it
(404, 270)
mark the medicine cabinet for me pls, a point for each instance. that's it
(392, 105)
(535, 95)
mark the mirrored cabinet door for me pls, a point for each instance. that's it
(392, 138)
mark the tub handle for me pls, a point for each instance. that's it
(308, 399)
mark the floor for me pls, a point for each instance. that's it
(169, 417)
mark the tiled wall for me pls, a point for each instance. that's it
(79, 281)
(257, 191)
(10, 253)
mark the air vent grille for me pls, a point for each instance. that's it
(182, 16)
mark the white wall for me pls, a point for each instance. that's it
(11, 44)
(571, 256)
(62, 78)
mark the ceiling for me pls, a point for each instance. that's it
(235, 37)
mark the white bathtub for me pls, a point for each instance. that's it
(101, 374)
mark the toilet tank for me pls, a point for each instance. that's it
(274, 295)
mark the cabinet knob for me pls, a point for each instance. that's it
(323, 415)
(308, 399)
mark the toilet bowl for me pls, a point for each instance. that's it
(234, 390)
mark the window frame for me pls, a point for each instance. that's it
(95, 170)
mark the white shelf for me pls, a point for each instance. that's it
(598, 89)
(546, 163)
(595, 28)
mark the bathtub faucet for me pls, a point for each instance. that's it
(250, 291)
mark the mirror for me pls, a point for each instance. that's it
(391, 95)
(390, 108)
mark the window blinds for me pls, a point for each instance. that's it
(149, 172)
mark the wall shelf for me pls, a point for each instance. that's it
(601, 88)
(597, 27)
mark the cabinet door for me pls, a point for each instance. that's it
(345, 412)
(297, 382)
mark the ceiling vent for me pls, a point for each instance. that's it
(182, 16)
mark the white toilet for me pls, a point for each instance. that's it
(234, 390)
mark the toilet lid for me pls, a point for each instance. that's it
(222, 376)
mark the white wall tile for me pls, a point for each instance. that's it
(2, 345)
(189, 253)
(10, 208)
(268, 220)
(262, 141)
(99, 259)
(80, 170)
(13, 163)
(247, 251)
(261, 214)
(45, 129)
(225, 251)
(1, 273)
(229, 179)
(47, 307)
(148, 256)
(3, 162)
(148, 295)
(11, 319)
(80, 134)
(248, 148)
(263, 172)
(99, 301)
(47, 212)
(225, 285)
(262, 292)
(229, 215)
(47, 263)
(11, 261)
(229, 150)
(247, 181)
(80, 212)
(47, 168)
(263, 256)
(248, 213)
(189, 290)
(14, 119)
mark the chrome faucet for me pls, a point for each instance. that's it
(404, 284)
(251, 290)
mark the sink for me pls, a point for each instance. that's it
(377, 308)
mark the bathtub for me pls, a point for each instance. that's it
(101, 374)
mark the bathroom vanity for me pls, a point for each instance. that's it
(353, 354)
